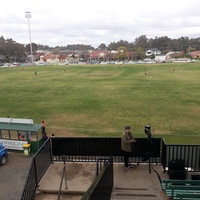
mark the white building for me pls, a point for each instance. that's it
(153, 52)
(160, 58)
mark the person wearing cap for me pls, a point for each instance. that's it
(126, 145)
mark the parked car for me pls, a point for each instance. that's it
(3, 155)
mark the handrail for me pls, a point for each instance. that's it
(62, 177)
(61, 182)
(103, 183)
(105, 161)
(37, 170)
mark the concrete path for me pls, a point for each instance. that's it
(79, 178)
(135, 184)
(138, 183)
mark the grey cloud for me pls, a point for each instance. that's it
(105, 25)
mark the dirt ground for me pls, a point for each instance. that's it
(13, 176)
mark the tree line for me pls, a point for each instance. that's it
(12, 51)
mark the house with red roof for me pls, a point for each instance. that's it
(195, 54)
(98, 55)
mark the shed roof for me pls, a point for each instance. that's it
(14, 124)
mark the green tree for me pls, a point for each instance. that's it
(141, 41)
(122, 49)
(152, 56)
(11, 51)
(121, 53)
(102, 46)
(56, 51)
(140, 54)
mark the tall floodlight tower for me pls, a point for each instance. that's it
(28, 16)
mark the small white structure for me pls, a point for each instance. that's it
(153, 51)
(160, 58)
(113, 52)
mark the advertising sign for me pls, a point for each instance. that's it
(13, 144)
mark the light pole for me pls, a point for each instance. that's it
(28, 15)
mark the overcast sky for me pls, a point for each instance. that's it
(91, 22)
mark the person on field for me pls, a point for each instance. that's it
(145, 72)
(43, 126)
(127, 141)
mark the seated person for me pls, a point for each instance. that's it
(21, 136)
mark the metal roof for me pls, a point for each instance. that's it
(13, 124)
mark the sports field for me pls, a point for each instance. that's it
(99, 100)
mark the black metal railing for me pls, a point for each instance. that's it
(101, 162)
(40, 163)
(89, 149)
(43, 159)
(31, 183)
(102, 186)
(163, 155)
(189, 153)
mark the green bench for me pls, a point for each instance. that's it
(187, 196)
(181, 189)
(173, 190)
(169, 182)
